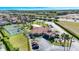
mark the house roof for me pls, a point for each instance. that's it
(40, 30)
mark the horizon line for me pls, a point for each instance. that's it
(39, 8)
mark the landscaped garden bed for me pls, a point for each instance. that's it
(58, 43)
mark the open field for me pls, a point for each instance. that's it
(70, 26)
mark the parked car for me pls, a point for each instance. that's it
(35, 45)
(51, 26)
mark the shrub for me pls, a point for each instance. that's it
(56, 20)
(51, 39)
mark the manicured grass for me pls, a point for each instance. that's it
(71, 26)
(19, 41)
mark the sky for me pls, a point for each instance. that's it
(40, 3)
(39, 8)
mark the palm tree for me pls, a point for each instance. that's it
(67, 38)
(63, 36)
(70, 42)
(58, 37)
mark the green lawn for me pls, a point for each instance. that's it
(19, 41)
(71, 26)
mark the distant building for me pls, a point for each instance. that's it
(69, 17)
(24, 19)
(3, 21)
(13, 19)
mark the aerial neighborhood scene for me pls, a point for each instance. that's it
(39, 30)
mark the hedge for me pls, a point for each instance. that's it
(6, 45)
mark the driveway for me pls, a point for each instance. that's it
(45, 45)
